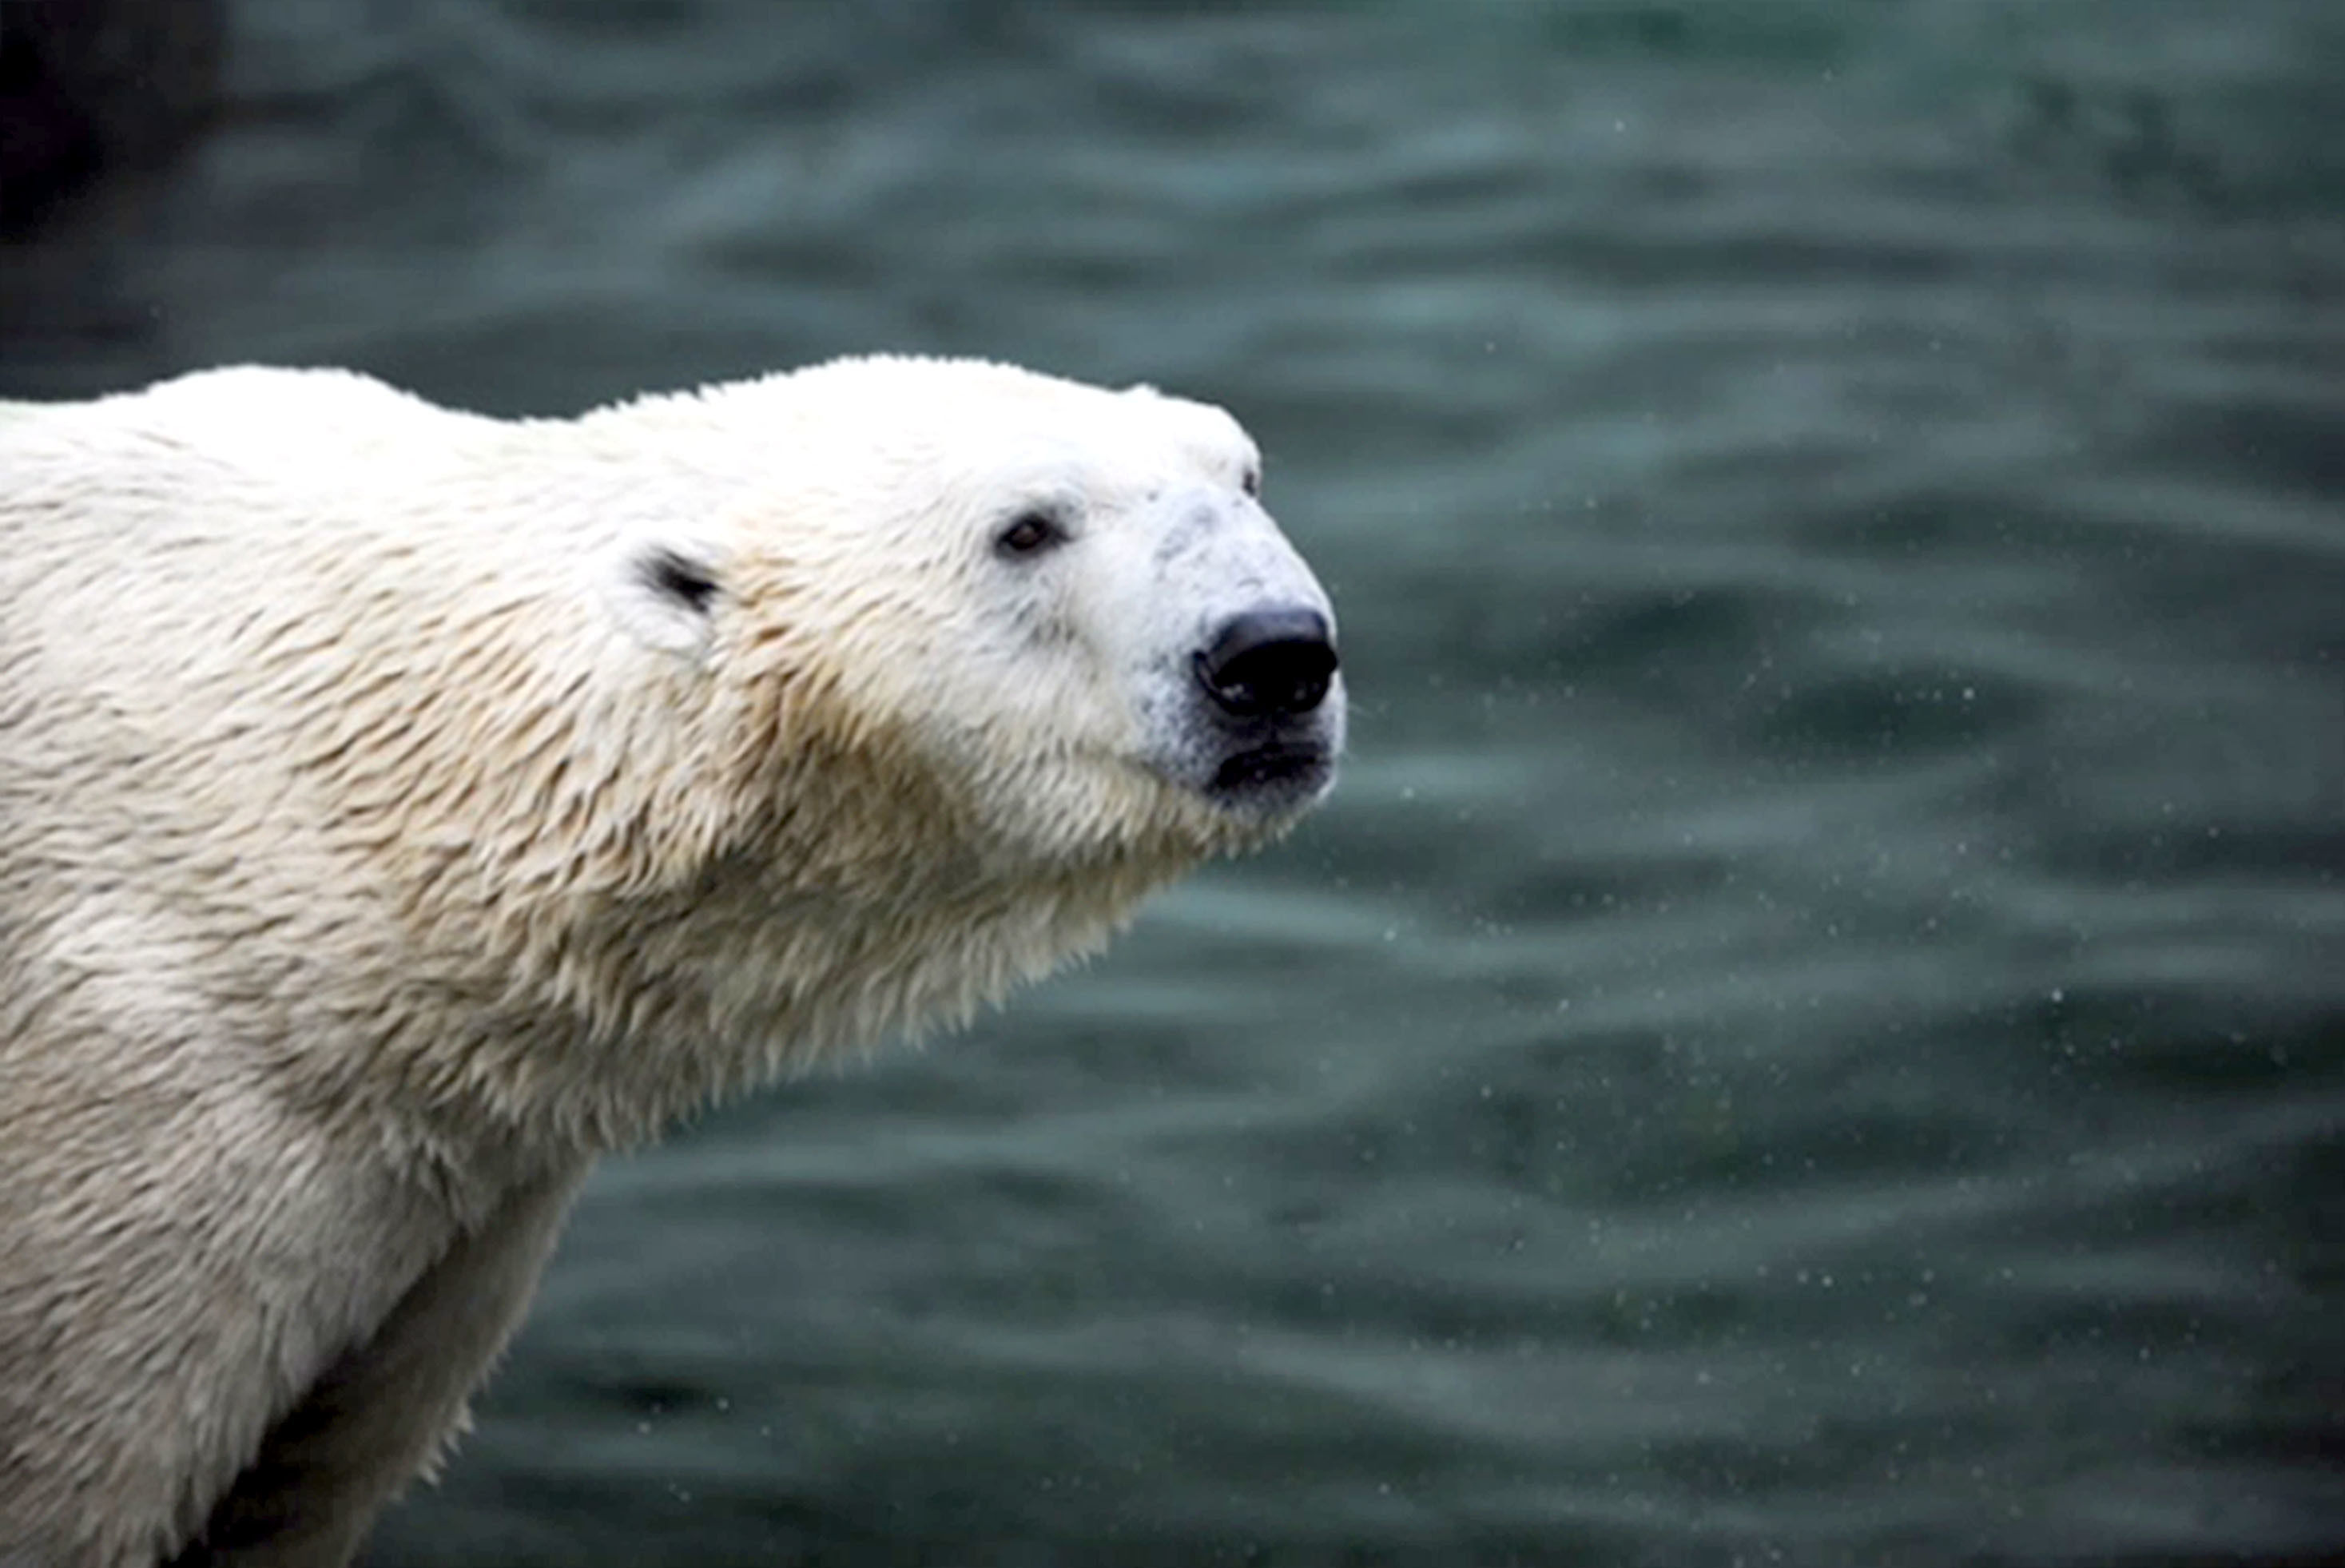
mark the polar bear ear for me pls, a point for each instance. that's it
(665, 593)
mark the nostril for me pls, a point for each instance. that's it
(1269, 664)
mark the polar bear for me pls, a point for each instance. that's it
(401, 807)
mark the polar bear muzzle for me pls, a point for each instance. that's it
(1265, 676)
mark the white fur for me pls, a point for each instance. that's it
(398, 808)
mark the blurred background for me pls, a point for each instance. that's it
(1813, 1030)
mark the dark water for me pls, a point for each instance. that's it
(1814, 1030)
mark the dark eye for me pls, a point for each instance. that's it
(1033, 533)
(1250, 482)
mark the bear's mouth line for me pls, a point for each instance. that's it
(1279, 762)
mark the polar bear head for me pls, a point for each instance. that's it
(1055, 616)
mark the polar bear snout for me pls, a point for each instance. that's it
(1269, 664)
(1268, 695)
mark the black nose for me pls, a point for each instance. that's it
(1269, 664)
